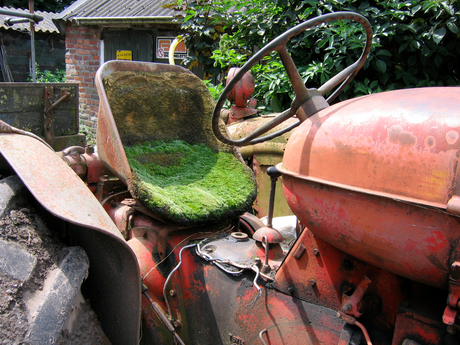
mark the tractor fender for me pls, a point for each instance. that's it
(114, 271)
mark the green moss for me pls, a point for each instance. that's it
(190, 184)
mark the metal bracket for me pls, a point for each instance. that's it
(350, 303)
(453, 298)
(49, 106)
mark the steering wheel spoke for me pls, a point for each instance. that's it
(298, 85)
(303, 95)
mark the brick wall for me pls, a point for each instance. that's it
(82, 62)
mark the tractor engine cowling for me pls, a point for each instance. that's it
(376, 177)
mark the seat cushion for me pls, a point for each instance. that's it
(190, 184)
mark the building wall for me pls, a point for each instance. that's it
(82, 61)
(82, 58)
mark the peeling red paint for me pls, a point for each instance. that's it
(436, 241)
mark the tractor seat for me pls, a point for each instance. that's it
(178, 170)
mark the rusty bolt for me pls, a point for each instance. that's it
(290, 290)
(89, 149)
(312, 282)
(346, 307)
(177, 324)
(172, 293)
(316, 252)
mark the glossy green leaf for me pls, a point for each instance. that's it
(381, 65)
(439, 34)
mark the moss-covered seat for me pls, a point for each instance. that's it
(154, 132)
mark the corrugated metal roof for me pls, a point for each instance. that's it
(116, 8)
(46, 25)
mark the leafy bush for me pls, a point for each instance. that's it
(215, 90)
(46, 76)
(416, 43)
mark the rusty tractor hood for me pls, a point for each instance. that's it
(402, 144)
(376, 177)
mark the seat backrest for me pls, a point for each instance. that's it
(144, 105)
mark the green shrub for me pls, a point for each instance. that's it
(46, 76)
(415, 43)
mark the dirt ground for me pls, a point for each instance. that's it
(25, 229)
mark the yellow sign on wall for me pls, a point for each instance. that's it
(124, 55)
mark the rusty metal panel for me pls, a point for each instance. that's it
(54, 184)
(402, 238)
(286, 320)
(318, 272)
(401, 144)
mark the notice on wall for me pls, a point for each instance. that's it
(124, 55)
(162, 48)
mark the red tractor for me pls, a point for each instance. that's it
(174, 256)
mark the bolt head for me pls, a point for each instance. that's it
(346, 307)
(451, 330)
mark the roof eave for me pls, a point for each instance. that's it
(114, 21)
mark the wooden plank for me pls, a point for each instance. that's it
(139, 42)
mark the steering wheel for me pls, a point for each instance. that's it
(299, 105)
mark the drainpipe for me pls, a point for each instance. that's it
(32, 41)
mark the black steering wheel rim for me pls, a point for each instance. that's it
(302, 93)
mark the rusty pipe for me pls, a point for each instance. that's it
(35, 17)
(63, 97)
